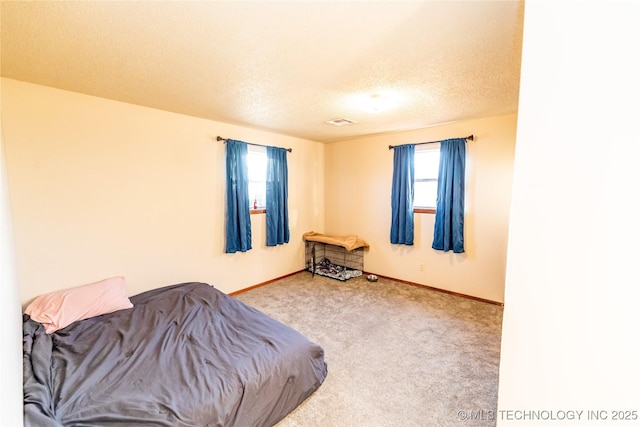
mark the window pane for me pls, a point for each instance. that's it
(257, 165)
(427, 163)
(257, 192)
(425, 194)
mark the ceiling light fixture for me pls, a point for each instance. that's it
(378, 102)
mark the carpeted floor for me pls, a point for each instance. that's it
(397, 355)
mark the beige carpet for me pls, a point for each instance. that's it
(397, 355)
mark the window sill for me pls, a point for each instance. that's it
(257, 211)
(424, 210)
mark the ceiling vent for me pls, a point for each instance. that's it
(340, 122)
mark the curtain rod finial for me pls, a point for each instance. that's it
(470, 137)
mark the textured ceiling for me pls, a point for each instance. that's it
(282, 66)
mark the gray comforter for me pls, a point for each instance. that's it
(184, 355)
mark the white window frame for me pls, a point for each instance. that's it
(257, 176)
(430, 176)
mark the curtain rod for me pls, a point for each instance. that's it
(470, 137)
(219, 138)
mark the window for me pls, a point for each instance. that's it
(427, 163)
(257, 166)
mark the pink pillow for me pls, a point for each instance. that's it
(58, 309)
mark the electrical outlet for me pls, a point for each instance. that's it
(421, 267)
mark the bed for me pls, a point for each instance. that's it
(182, 355)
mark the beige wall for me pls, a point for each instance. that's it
(572, 306)
(10, 313)
(358, 201)
(101, 188)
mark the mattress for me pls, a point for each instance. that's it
(184, 355)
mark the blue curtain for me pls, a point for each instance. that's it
(277, 197)
(448, 233)
(402, 194)
(238, 220)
